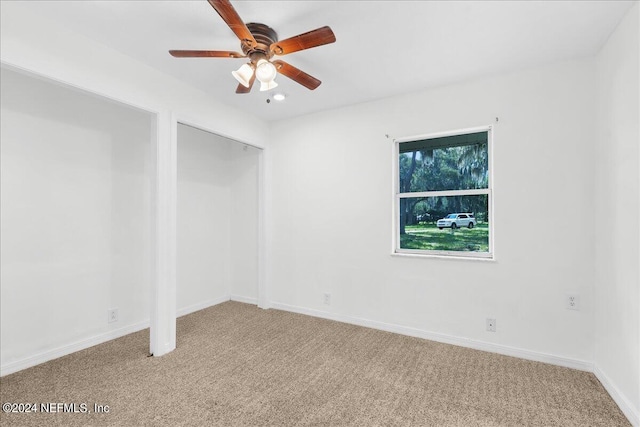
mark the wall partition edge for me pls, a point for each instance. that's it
(161, 259)
(178, 118)
(263, 291)
(163, 306)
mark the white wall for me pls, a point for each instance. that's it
(217, 215)
(203, 218)
(75, 216)
(330, 216)
(617, 197)
(243, 226)
(40, 45)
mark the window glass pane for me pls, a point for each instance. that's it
(438, 166)
(435, 223)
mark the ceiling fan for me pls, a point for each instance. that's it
(260, 44)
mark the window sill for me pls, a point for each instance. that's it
(442, 256)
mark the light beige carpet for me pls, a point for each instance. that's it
(239, 365)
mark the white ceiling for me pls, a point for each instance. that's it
(383, 48)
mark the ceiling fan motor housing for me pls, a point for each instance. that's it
(265, 36)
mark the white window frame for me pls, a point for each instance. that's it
(396, 250)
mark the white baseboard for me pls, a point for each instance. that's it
(443, 338)
(623, 403)
(28, 362)
(45, 356)
(201, 306)
(247, 300)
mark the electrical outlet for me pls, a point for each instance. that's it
(491, 325)
(327, 299)
(573, 301)
(112, 315)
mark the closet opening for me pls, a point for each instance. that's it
(76, 218)
(218, 227)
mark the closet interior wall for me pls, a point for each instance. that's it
(217, 220)
(76, 218)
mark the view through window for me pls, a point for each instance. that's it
(443, 195)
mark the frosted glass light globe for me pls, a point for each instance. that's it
(264, 86)
(265, 71)
(243, 75)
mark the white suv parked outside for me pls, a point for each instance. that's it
(456, 220)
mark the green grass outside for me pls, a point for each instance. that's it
(429, 237)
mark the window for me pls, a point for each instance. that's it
(443, 194)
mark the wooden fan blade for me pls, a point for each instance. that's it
(296, 75)
(205, 54)
(233, 20)
(243, 89)
(318, 37)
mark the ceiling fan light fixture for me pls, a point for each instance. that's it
(243, 74)
(265, 71)
(260, 43)
(264, 86)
